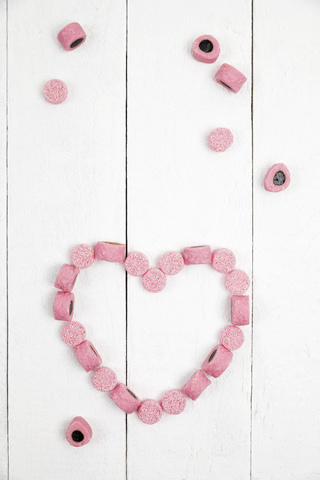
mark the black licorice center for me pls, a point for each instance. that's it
(222, 83)
(76, 43)
(70, 307)
(131, 393)
(206, 46)
(212, 355)
(77, 436)
(279, 178)
(93, 350)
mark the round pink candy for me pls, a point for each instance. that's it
(82, 256)
(171, 263)
(136, 264)
(232, 338)
(206, 49)
(237, 282)
(150, 412)
(174, 402)
(154, 280)
(104, 379)
(220, 139)
(223, 260)
(73, 333)
(55, 91)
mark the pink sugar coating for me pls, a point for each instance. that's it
(220, 139)
(80, 424)
(223, 260)
(104, 379)
(87, 355)
(232, 338)
(197, 255)
(70, 34)
(63, 306)
(124, 398)
(217, 361)
(240, 310)
(268, 181)
(154, 280)
(82, 256)
(171, 263)
(228, 75)
(66, 277)
(110, 252)
(73, 333)
(136, 264)
(55, 91)
(196, 385)
(237, 282)
(150, 412)
(206, 57)
(174, 402)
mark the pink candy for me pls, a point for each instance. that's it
(220, 139)
(136, 264)
(196, 385)
(55, 91)
(217, 361)
(104, 379)
(223, 260)
(230, 78)
(110, 252)
(66, 277)
(206, 49)
(63, 306)
(72, 36)
(124, 398)
(240, 310)
(73, 333)
(237, 282)
(87, 355)
(82, 256)
(174, 402)
(78, 432)
(197, 255)
(150, 412)
(171, 263)
(154, 280)
(232, 338)
(277, 178)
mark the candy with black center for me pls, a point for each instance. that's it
(206, 49)
(277, 178)
(79, 432)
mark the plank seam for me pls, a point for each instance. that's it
(252, 239)
(7, 235)
(126, 219)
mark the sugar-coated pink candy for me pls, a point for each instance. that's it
(174, 402)
(196, 385)
(206, 49)
(237, 282)
(66, 277)
(230, 78)
(73, 333)
(220, 139)
(125, 398)
(197, 255)
(72, 36)
(150, 412)
(277, 178)
(217, 361)
(136, 264)
(223, 260)
(110, 252)
(87, 355)
(55, 91)
(171, 263)
(78, 432)
(63, 306)
(240, 310)
(104, 379)
(82, 256)
(154, 280)
(232, 338)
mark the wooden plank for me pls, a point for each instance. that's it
(67, 186)
(286, 363)
(181, 193)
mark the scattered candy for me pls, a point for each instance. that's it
(87, 355)
(79, 432)
(230, 78)
(124, 398)
(73, 333)
(232, 338)
(223, 260)
(217, 361)
(174, 402)
(66, 277)
(82, 256)
(150, 412)
(220, 139)
(154, 280)
(237, 282)
(136, 264)
(196, 385)
(206, 49)
(277, 178)
(240, 310)
(197, 255)
(104, 379)
(55, 91)
(171, 263)
(63, 306)
(110, 252)
(72, 36)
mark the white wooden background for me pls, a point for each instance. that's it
(125, 158)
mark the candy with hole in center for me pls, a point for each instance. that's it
(277, 178)
(196, 385)
(206, 49)
(217, 361)
(87, 356)
(232, 338)
(174, 402)
(110, 252)
(150, 412)
(104, 379)
(63, 306)
(240, 310)
(66, 277)
(79, 432)
(230, 78)
(72, 36)
(197, 255)
(125, 398)
(73, 333)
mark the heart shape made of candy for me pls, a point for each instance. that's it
(154, 280)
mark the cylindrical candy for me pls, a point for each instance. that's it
(136, 264)
(174, 402)
(87, 355)
(150, 412)
(206, 49)
(66, 277)
(104, 379)
(230, 78)
(277, 178)
(217, 361)
(55, 91)
(78, 432)
(220, 139)
(125, 398)
(196, 385)
(171, 263)
(197, 255)
(73, 333)
(232, 338)
(223, 260)
(154, 280)
(110, 252)
(82, 256)
(237, 282)
(72, 36)
(63, 306)
(240, 310)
